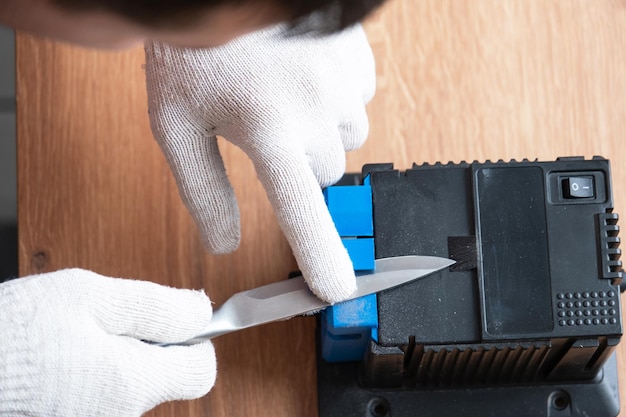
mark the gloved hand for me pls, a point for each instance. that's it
(70, 345)
(294, 105)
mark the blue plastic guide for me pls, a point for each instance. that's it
(348, 327)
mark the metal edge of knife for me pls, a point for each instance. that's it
(243, 309)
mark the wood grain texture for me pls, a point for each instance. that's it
(486, 79)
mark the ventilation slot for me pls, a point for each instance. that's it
(609, 248)
(437, 366)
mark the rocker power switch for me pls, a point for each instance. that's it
(578, 187)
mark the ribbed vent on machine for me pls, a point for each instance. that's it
(610, 241)
(483, 365)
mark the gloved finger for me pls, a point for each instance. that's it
(197, 165)
(190, 146)
(162, 374)
(354, 129)
(362, 66)
(327, 159)
(148, 311)
(298, 203)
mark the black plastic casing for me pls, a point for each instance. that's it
(533, 301)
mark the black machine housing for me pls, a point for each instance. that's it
(527, 320)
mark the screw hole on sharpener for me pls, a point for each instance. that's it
(559, 400)
(378, 407)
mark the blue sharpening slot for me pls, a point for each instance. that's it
(361, 253)
(350, 206)
(348, 327)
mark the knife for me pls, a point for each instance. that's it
(292, 297)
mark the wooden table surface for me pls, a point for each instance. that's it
(486, 79)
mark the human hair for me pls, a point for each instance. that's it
(332, 15)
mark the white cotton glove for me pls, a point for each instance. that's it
(294, 105)
(70, 346)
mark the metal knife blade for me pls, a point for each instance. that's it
(292, 297)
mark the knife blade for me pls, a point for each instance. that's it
(286, 299)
